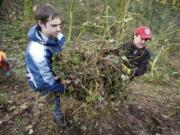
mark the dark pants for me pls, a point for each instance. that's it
(57, 112)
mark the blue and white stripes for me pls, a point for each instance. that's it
(39, 60)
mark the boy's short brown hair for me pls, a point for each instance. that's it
(45, 12)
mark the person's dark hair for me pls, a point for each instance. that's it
(45, 12)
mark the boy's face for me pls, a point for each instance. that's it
(138, 41)
(51, 28)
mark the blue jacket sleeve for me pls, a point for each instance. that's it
(48, 76)
(46, 79)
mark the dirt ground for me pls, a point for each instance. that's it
(151, 109)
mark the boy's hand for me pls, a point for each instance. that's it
(66, 82)
(61, 57)
(56, 78)
(133, 74)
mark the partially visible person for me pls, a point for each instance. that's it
(4, 64)
(45, 40)
(136, 52)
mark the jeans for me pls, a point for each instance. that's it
(57, 112)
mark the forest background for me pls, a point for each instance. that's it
(149, 105)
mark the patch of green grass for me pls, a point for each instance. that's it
(14, 44)
(11, 30)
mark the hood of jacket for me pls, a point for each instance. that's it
(35, 34)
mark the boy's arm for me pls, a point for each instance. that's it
(47, 79)
(143, 66)
(48, 76)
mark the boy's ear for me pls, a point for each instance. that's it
(40, 23)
